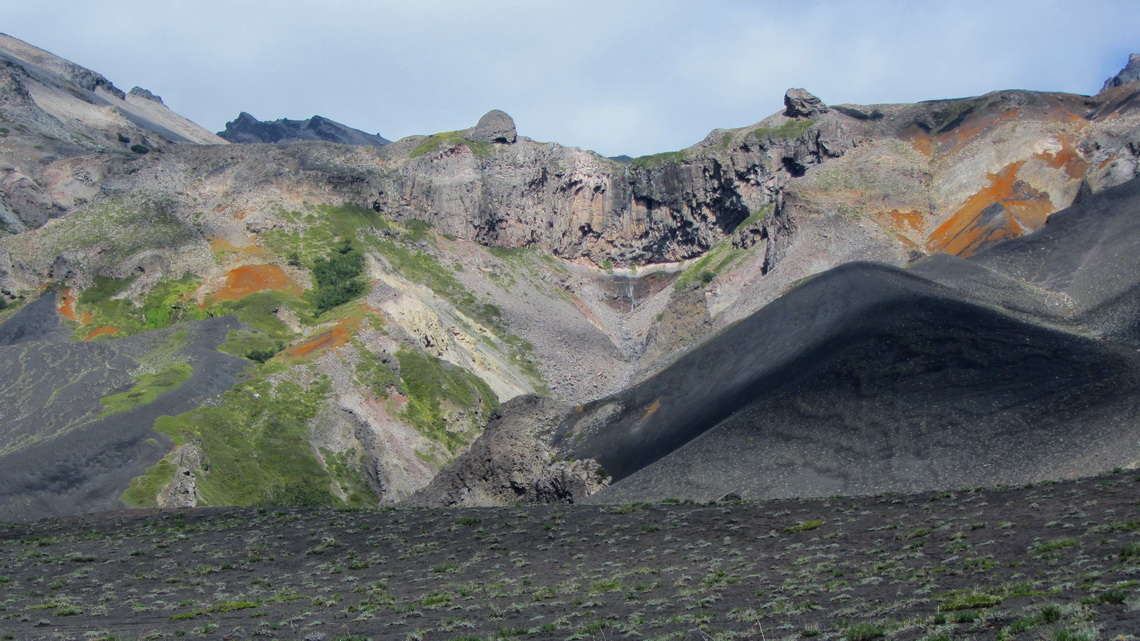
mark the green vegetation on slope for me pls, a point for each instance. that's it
(374, 374)
(451, 139)
(118, 230)
(423, 268)
(256, 443)
(715, 261)
(148, 387)
(338, 277)
(432, 387)
(654, 161)
(143, 489)
(790, 129)
(167, 303)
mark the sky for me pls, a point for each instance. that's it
(616, 76)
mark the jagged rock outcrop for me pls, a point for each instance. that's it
(512, 463)
(182, 490)
(798, 103)
(494, 126)
(247, 129)
(145, 94)
(1130, 73)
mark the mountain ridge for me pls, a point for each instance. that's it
(391, 298)
(247, 129)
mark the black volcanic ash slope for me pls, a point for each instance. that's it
(869, 378)
(59, 455)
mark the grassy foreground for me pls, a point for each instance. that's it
(1058, 561)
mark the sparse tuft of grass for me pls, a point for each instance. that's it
(803, 526)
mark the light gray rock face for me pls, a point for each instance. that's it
(494, 126)
(798, 103)
(1130, 73)
(182, 490)
(511, 463)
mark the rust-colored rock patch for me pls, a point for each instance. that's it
(903, 221)
(250, 279)
(1067, 159)
(977, 224)
(67, 308)
(331, 339)
(102, 331)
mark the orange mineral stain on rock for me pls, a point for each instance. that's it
(102, 331)
(974, 125)
(653, 407)
(1067, 158)
(250, 279)
(67, 308)
(919, 140)
(977, 224)
(222, 247)
(67, 305)
(331, 339)
(903, 221)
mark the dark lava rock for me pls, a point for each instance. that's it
(146, 95)
(799, 103)
(511, 463)
(247, 129)
(494, 126)
(1130, 73)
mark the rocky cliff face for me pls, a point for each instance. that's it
(246, 128)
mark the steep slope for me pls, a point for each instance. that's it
(53, 115)
(85, 104)
(246, 128)
(868, 379)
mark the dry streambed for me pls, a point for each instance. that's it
(1049, 561)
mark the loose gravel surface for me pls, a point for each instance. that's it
(1057, 560)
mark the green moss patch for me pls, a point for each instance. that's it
(432, 386)
(789, 130)
(167, 303)
(716, 261)
(144, 489)
(451, 139)
(148, 387)
(654, 161)
(257, 443)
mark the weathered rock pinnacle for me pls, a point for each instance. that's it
(799, 103)
(146, 94)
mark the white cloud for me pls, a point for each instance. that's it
(632, 76)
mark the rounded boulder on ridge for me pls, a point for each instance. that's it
(494, 126)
